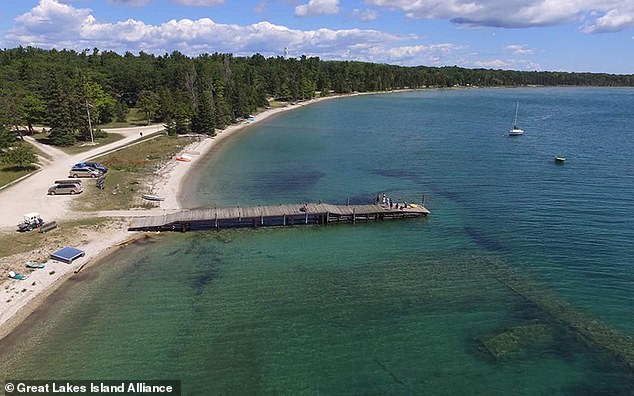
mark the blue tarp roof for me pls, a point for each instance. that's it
(67, 254)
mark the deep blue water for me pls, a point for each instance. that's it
(404, 307)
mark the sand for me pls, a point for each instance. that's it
(19, 298)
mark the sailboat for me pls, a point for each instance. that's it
(516, 131)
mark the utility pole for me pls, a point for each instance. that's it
(92, 139)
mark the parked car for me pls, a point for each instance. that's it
(67, 181)
(84, 171)
(30, 222)
(94, 165)
(65, 188)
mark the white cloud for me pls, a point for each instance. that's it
(55, 25)
(437, 54)
(518, 49)
(318, 7)
(492, 64)
(53, 18)
(612, 21)
(599, 15)
(366, 15)
(503, 64)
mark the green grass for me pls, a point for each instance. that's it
(134, 118)
(275, 104)
(130, 171)
(41, 153)
(80, 147)
(9, 174)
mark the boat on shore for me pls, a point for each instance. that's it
(34, 265)
(184, 158)
(152, 197)
(13, 275)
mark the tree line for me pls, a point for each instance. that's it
(65, 89)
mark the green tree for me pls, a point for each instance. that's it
(62, 136)
(33, 110)
(149, 103)
(21, 156)
(11, 99)
(102, 105)
(180, 123)
(121, 112)
(7, 138)
(65, 108)
(203, 119)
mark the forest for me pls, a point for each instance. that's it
(72, 92)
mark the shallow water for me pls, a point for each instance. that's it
(402, 307)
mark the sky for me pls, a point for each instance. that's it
(545, 35)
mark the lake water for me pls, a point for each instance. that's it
(485, 296)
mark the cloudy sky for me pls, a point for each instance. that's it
(555, 35)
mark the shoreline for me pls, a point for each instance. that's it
(177, 174)
(23, 297)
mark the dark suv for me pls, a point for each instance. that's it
(94, 165)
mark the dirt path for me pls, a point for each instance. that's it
(30, 194)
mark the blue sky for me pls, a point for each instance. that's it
(554, 35)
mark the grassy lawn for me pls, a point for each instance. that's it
(33, 241)
(10, 173)
(80, 147)
(134, 118)
(130, 172)
(275, 104)
(41, 153)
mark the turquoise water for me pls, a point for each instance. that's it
(403, 307)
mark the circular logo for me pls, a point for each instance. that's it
(9, 387)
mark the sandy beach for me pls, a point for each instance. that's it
(21, 297)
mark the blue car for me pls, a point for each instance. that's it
(93, 165)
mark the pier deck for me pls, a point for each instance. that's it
(270, 216)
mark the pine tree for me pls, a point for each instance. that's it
(203, 120)
(7, 139)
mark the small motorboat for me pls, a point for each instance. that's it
(31, 264)
(152, 197)
(560, 159)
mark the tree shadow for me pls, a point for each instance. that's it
(45, 140)
(17, 168)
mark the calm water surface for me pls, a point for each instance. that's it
(406, 307)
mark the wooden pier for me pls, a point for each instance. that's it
(272, 216)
